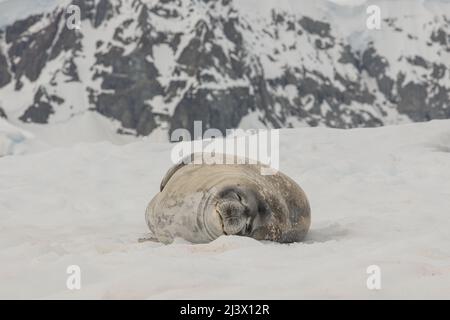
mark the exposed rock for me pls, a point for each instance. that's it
(29, 54)
(42, 108)
(373, 63)
(5, 76)
(134, 82)
(418, 61)
(221, 109)
(412, 101)
(441, 37)
(14, 31)
(315, 27)
(3, 114)
(103, 12)
(438, 71)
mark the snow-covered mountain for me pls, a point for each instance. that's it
(153, 66)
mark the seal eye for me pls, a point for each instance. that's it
(236, 196)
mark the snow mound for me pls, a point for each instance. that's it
(13, 140)
(379, 197)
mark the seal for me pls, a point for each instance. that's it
(201, 200)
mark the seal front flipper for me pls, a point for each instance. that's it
(148, 237)
(186, 160)
(169, 174)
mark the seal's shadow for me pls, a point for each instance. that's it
(441, 144)
(328, 233)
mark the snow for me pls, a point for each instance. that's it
(252, 121)
(164, 62)
(12, 10)
(379, 197)
(85, 127)
(14, 140)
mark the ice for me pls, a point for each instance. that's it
(379, 197)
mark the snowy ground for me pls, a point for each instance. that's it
(379, 197)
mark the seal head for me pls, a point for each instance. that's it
(241, 210)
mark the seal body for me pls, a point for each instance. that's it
(201, 202)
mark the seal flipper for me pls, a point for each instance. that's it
(148, 237)
(186, 160)
(169, 174)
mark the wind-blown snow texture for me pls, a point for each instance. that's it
(152, 66)
(379, 196)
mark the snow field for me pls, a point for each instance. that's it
(379, 197)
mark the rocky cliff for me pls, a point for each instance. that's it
(160, 65)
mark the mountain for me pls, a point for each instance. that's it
(155, 66)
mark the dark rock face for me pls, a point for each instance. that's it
(316, 27)
(42, 107)
(103, 12)
(28, 55)
(30, 51)
(412, 97)
(215, 109)
(3, 114)
(132, 83)
(441, 37)
(5, 76)
(172, 62)
(15, 30)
